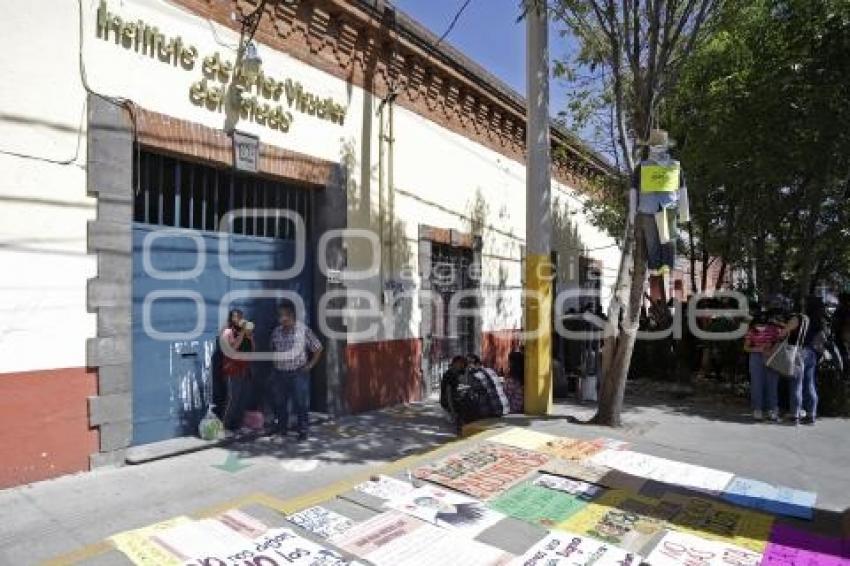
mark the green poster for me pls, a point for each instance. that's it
(537, 504)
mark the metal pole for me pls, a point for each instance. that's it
(538, 223)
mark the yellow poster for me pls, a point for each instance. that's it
(622, 518)
(573, 449)
(714, 520)
(523, 438)
(142, 551)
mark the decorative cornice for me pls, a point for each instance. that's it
(384, 51)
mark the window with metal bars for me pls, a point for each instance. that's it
(185, 194)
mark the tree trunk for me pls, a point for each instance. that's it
(718, 283)
(620, 348)
(693, 255)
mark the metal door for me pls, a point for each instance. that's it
(450, 273)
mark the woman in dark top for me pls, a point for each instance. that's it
(804, 393)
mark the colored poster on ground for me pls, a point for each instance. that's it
(684, 549)
(626, 520)
(792, 547)
(771, 498)
(573, 449)
(593, 473)
(715, 520)
(535, 504)
(396, 539)
(275, 547)
(484, 471)
(567, 549)
(446, 509)
(524, 438)
(321, 522)
(578, 488)
(141, 550)
(663, 470)
(384, 487)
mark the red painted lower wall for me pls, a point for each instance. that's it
(381, 374)
(44, 430)
(495, 347)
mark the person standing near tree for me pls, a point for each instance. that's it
(296, 351)
(804, 395)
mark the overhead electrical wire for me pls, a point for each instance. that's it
(453, 23)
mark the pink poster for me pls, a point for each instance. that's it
(792, 547)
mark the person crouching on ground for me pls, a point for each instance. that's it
(450, 388)
(237, 340)
(291, 343)
(764, 382)
(494, 403)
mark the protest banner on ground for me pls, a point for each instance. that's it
(581, 489)
(573, 449)
(535, 504)
(792, 547)
(624, 519)
(567, 549)
(321, 522)
(396, 539)
(484, 471)
(684, 549)
(384, 487)
(141, 550)
(771, 498)
(446, 509)
(715, 520)
(664, 470)
(524, 438)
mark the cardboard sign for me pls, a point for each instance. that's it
(535, 504)
(484, 471)
(663, 470)
(384, 487)
(567, 549)
(594, 473)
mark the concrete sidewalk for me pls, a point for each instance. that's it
(57, 517)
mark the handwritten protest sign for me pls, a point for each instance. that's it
(277, 547)
(384, 487)
(446, 509)
(663, 470)
(715, 520)
(771, 498)
(792, 547)
(580, 489)
(572, 448)
(396, 539)
(567, 549)
(141, 550)
(623, 519)
(683, 549)
(484, 471)
(536, 504)
(321, 522)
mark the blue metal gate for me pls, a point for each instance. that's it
(183, 285)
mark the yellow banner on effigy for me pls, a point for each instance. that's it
(141, 550)
(714, 520)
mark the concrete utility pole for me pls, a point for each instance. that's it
(538, 220)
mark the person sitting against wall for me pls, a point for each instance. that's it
(515, 381)
(492, 401)
(454, 394)
(236, 340)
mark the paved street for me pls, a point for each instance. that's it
(69, 517)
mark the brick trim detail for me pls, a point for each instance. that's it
(382, 52)
(184, 138)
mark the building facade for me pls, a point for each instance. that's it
(389, 183)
